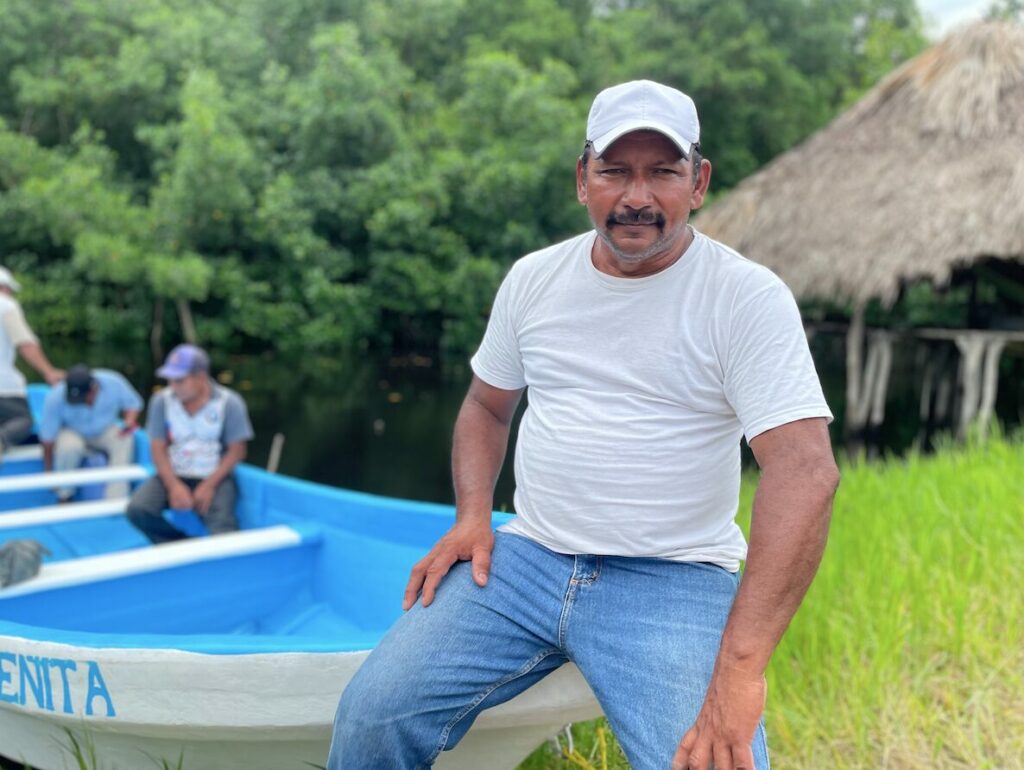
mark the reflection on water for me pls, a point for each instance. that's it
(384, 425)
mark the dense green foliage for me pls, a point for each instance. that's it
(324, 174)
(907, 650)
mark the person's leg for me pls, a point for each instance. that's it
(645, 633)
(15, 421)
(421, 688)
(68, 452)
(146, 512)
(221, 516)
(118, 448)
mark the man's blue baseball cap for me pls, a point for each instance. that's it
(183, 361)
(77, 384)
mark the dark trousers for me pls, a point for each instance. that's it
(15, 421)
(147, 504)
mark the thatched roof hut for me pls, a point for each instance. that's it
(923, 175)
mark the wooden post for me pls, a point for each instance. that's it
(854, 367)
(882, 342)
(972, 348)
(990, 382)
(276, 445)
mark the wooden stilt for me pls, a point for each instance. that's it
(972, 350)
(854, 424)
(990, 383)
(882, 342)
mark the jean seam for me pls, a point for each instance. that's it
(567, 602)
(526, 669)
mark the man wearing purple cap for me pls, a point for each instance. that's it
(649, 351)
(198, 433)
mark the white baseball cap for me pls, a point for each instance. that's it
(643, 104)
(6, 279)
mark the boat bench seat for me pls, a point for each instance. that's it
(75, 478)
(59, 514)
(138, 561)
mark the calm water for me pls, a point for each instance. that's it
(383, 425)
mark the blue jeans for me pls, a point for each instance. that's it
(644, 633)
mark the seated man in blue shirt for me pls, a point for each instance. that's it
(83, 413)
(198, 433)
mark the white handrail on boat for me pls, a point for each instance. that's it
(54, 514)
(74, 478)
(137, 561)
(27, 452)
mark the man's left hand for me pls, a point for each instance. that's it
(725, 726)
(202, 496)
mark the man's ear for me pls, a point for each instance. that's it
(581, 181)
(701, 183)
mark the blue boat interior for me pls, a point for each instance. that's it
(336, 584)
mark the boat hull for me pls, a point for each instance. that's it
(229, 652)
(138, 707)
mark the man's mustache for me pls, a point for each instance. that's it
(637, 217)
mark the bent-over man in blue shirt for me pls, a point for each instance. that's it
(85, 412)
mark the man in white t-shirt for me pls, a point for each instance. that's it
(17, 338)
(649, 351)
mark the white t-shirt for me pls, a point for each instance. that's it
(13, 332)
(640, 390)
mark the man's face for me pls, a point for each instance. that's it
(639, 194)
(187, 388)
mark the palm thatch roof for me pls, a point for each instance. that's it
(923, 175)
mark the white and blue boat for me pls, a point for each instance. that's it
(227, 652)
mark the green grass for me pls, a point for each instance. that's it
(909, 649)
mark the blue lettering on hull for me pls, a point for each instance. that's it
(49, 684)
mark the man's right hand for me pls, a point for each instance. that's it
(463, 542)
(180, 496)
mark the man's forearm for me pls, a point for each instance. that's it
(47, 456)
(33, 353)
(788, 532)
(163, 464)
(234, 454)
(478, 451)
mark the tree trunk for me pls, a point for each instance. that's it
(188, 327)
(156, 333)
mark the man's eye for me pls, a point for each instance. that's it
(665, 171)
(611, 171)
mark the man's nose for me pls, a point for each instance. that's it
(638, 192)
